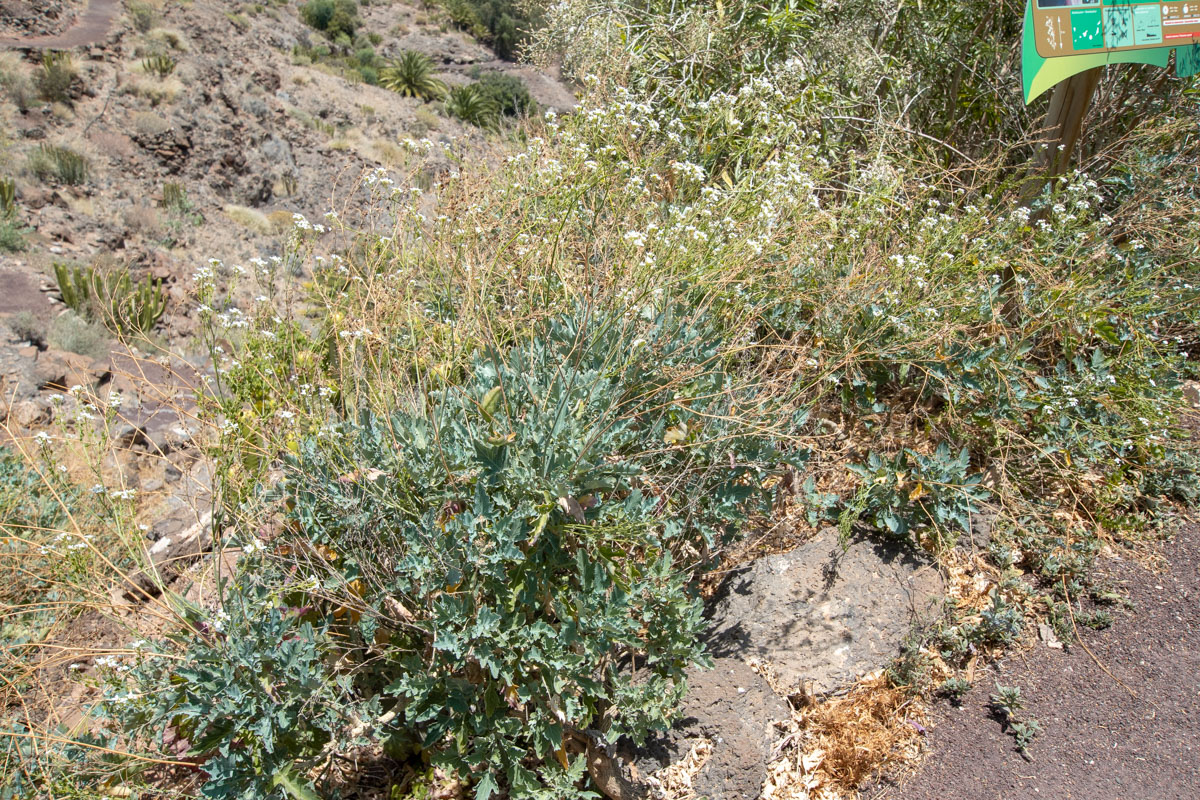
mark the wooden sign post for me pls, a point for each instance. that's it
(1065, 44)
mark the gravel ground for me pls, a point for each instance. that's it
(1134, 734)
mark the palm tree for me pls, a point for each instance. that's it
(473, 106)
(412, 76)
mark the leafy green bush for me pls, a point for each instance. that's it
(411, 75)
(504, 24)
(141, 14)
(494, 555)
(507, 92)
(12, 236)
(334, 18)
(472, 106)
(253, 695)
(369, 75)
(59, 162)
(25, 504)
(365, 57)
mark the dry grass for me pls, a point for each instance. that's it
(157, 92)
(117, 146)
(250, 219)
(169, 37)
(674, 782)
(142, 219)
(280, 220)
(831, 747)
(150, 124)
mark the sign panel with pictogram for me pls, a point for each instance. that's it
(1066, 37)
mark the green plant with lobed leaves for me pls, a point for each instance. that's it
(411, 75)
(520, 537)
(253, 696)
(506, 563)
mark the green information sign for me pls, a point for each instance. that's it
(1065, 37)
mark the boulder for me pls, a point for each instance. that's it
(735, 710)
(170, 554)
(823, 614)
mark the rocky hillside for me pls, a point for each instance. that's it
(202, 127)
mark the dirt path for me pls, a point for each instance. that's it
(92, 25)
(1099, 741)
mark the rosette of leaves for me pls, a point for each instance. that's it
(515, 554)
(472, 106)
(411, 75)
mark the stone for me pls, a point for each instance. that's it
(171, 553)
(26, 413)
(823, 616)
(1191, 393)
(61, 370)
(735, 709)
(18, 378)
(153, 426)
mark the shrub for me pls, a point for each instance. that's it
(157, 90)
(142, 15)
(15, 81)
(71, 332)
(507, 92)
(334, 18)
(12, 236)
(369, 75)
(470, 105)
(239, 21)
(365, 57)
(411, 75)
(504, 24)
(25, 505)
(141, 218)
(532, 523)
(493, 556)
(253, 695)
(249, 218)
(27, 328)
(55, 77)
(60, 163)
